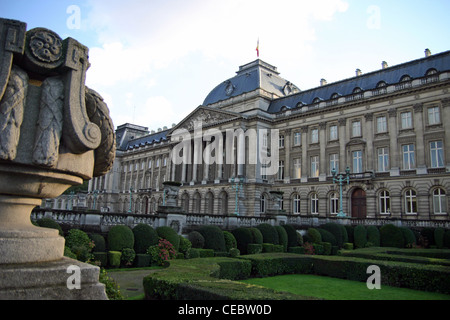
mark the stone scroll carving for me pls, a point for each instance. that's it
(70, 117)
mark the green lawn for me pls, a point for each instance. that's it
(338, 289)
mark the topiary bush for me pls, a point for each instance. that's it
(50, 223)
(214, 238)
(114, 258)
(185, 246)
(314, 235)
(243, 238)
(408, 237)
(338, 231)
(77, 238)
(257, 236)
(230, 241)
(373, 235)
(269, 233)
(120, 237)
(350, 230)
(439, 237)
(144, 237)
(447, 239)
(391, 236)
(127, 257)
(282, 237)
(99, 242)
(360, 236)
(292, 235)
(428, 235)
(170, 235)
(327, 236)
(196, 239)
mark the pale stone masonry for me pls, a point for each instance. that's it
(387, 126)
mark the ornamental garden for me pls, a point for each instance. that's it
(210, 263)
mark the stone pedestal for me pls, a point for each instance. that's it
(48, 281)
(54, 133)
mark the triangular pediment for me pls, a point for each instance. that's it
(206, 117)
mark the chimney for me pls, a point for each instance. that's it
(427, 53)
(323, 82)
(384, 65)
(358, 72)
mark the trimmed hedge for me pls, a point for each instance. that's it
(144, 237)
(142, 260)
(230, 241)
(269, 233)
(214, 238)
(243, 238)
(360, 236)
(282, 237)
(409, 238)
(338, 231)
(120, 237)
(314, 235)
(254, 248)
(327, 236)
(257, 236)
(373, 236)
(292, 235)
(391, 236)
(114, 258)
(101, 257)
(197, 240)
(50, 223)
(99, 242)
(170, 235)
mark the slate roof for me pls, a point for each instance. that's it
(391, 75)
(254, 75)
(147, 140)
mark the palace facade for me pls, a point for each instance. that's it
(388, 127)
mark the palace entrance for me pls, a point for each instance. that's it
(359, 208)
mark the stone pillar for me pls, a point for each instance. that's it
(446, 115)
(287, 152)
(305, 169)
(420, 146)
(342, 141)
(368, 135)
(51, 125)
(393, 145)
(322, 156)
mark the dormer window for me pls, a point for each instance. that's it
(316, 100)
(405, 78)
(381, 84)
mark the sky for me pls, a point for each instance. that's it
(155, 61)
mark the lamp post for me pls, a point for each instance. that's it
(237, 187)
(131, 190)
(340, 178)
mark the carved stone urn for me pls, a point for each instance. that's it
(54, 133)
(171, 189)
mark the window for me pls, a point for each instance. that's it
(385, 202)
(314, 203)
(150, 163)
(437, 154)
(381, 124)
(297, 138)
(334, 162)
(410, 202)
(281, 170)
(281, 141)
(356, 129)
(314, 135)
(264, 171)
(383, 159)
(333, 133)
(408, 157)
(142, 164)
(315, 166)
(406, 118)
(357, 161)
(157, 162)
(165, 161)
(297, 168)
(334, 203)
(262, 204)
(434, 116)
(439, 201)
(296, 204)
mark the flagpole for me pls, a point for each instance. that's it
(257, 48)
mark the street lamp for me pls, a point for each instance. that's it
(237, 187)
(131, 190)
(340, 178)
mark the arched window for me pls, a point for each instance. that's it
(197, 203)
(223, 201)
(314, 203)
(296, 204)
(262, 204)
(316, 100)
(385, 202)
(334, 203)
(439, 201)
(405, 78)
(185, 202)
(357, 90)
(430, 72)
(209, 203)
(381, 84)
(410, 201)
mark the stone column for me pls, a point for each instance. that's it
(305, 169)
(368, 135)
(393, 146)
(446, 115)
(420, 147)
(322, 157)
(287, 152)
(342, 141)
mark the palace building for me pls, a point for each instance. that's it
(387, 127)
